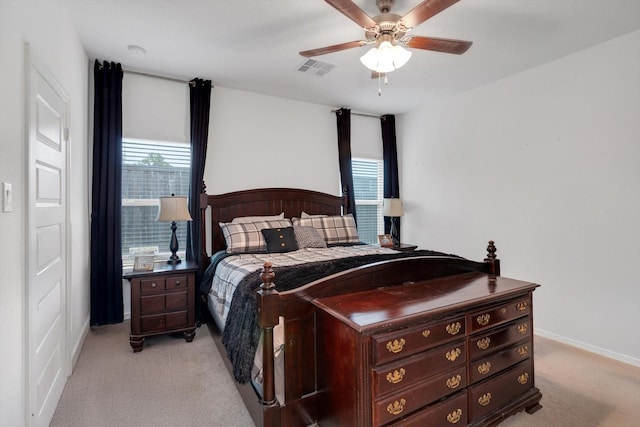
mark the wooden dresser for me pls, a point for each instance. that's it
(451, 351)
(162, 301)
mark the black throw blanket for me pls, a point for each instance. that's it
(242, 332)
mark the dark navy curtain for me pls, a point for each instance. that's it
(390, 157)
(343, 117)
(200, 102)
(106, 191)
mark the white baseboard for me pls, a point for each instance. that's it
(590, 348)
(77, 348)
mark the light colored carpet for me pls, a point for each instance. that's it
(172, 383)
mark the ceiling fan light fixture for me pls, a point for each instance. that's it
(386, 57)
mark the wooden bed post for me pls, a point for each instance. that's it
(267, 318)
(203, 230)
(494, 263)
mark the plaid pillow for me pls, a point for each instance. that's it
(247, 237)
(333, 229)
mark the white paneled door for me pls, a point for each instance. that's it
(47, 116)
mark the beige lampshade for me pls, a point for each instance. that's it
(392, 207)
(173, 208)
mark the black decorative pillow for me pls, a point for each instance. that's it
(280, 239)
(308, 237)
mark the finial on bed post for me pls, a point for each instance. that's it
(267, 318)
(494, 263)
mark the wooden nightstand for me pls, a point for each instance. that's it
(405, 247)
(162, 301)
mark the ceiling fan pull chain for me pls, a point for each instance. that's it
(379, 86)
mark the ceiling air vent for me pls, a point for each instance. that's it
(315, 67)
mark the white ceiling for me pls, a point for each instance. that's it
(253, 45)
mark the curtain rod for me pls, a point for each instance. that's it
(173, 79)
(360, 114)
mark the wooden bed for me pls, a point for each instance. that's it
(313, 391)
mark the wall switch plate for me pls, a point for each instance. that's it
(7, 197)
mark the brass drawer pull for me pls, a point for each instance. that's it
(484, 368)
(153, 285)
(396, 346)
(177, 282)
(453, 354)
(522, 351)
(522, 328)
(484, 343)
(426, 333)
(454, 328)
(454, 382)
(455, 416)
(483, 320)
(522, 379)
(484, 399)
(396, 407)
(521, 306)
(396, 376)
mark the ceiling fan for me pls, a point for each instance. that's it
(388, 32)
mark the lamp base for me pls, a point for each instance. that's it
(173, 260)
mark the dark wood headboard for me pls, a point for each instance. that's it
(262, 201)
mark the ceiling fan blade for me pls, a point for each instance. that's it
(424, 11)
(439, 45)
(353, 12)
(332, 48)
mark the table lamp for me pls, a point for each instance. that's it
(172, 209)
(393, 209)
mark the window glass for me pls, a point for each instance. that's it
(151, 169)
(368, 184)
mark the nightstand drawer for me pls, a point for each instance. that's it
(153, 323)
(152, 304)
(155, 284)
(176, 282)
(176, 320)
(176, 301)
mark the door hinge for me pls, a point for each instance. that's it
(66, 134)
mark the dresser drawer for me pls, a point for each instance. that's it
(396, 344)
(419, 395)
(497, 315)
(397, 375)
(450, 412)
(492, 394)
(153, 285)
(489, 341)
(494, 363)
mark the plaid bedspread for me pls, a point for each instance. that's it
(231, 270)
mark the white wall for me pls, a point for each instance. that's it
(546, 163)
(274, 142)
(46, 27)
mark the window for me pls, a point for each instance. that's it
(367, 183)
(151, 169)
